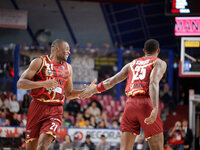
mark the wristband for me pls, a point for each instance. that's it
(100, 87)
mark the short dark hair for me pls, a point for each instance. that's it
(151, 46)
(102, 136)
(57, 42)
(87, 136)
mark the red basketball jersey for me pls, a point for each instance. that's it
(139, 76)
(51, 70)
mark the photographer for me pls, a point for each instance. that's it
(176, 135)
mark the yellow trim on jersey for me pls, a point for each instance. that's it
(30, 140)
(48, 58)
(133, 92)
(51, 133)
(146, 65)
(146, 139)
(155, 62)
(41, 66)
(49, 92)
(49, 100)
(54, 94)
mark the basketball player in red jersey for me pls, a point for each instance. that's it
(50, 79)
(142, 90)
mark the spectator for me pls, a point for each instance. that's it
(166, 98)
(4, 102)
(3, 120)
(14, 121)
(80, 122)
(87, 114)
(95, 111)
(73, 107)
(88, 144)
(101, 124)
(67, 144)
(114, 125)
(103, 145)
(176, 136)
(139, 144)
(87, 124)
(188, 138)
(25, 104)
(93, 99)
(93, 122)
(14, 104)
(67, 119)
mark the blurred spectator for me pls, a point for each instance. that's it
(25, 104)
(101, 124)
(3, 120)
(103, 145)
(166, 98)
(87, 124)
(14, 104)
(176, 135)
(88, 144)
(73, 107)
(95, 111)
(93, 99)
(93, 122)
(139, 144)
(165, 94)
(87, 114)
(4, 102)
(114, 125)
(80, 122)
(188, 138)
(14, 121)
(67, 144)
(67, 119)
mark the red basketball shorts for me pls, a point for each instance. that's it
(138, 108)
(43, 118)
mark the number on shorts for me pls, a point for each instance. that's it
(53, 126)
(140, 73)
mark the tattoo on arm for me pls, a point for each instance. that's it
(120, 76)
(155, 77)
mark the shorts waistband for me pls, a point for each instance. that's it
(47, 103)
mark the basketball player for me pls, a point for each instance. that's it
(50, 79)
(142, 90)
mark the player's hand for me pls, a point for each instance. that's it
(89, 90)
(152, 117)
(50, 83)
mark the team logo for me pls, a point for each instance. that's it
(49, 69)
(78, 135)
(63, 68)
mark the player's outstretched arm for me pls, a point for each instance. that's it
(106, 84)
(155, 77)
(69, 92)
(25, 82)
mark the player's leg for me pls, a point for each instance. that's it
(44, 141)
(156, 142)
(32, 145)
(127, 141)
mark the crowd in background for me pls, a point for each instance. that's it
(13, 111)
